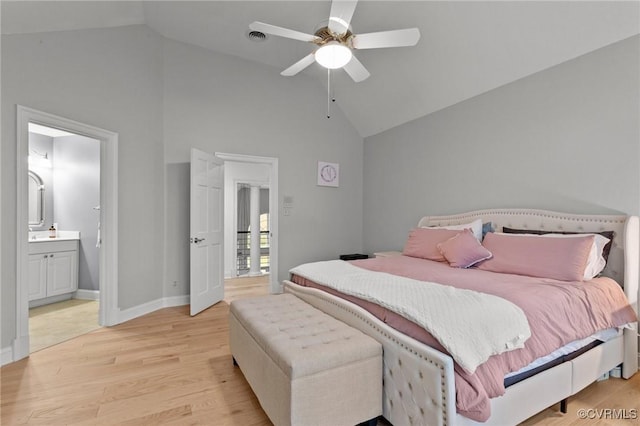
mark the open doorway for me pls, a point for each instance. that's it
(64, 235)
(251, 194)
(252, 208)
(59, 263)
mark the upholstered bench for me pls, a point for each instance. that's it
(305, 367)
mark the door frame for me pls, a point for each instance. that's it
(272, 162)
(108, 261)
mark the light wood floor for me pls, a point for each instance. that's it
(57, 322)
(235, 288)
(169, 368)
(163, 368)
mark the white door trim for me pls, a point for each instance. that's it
(108, 218)
(274, 284)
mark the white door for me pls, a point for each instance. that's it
(207, 231)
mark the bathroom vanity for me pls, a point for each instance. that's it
(53, 267)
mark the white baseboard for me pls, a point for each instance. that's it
(87, 294)
(169, 302)
(49, 300)
(6, 355)
(19, 349)
(146, 308)
(137, 311)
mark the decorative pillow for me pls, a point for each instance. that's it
(475, 226)
(463, 250)
(607, 234)
(422, 243)
(595, 262)
(562, 259)
(486, 227)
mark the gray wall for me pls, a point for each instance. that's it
(564, 139)
(76, 192)
(109, 78)
(220, 103)
(162, 98)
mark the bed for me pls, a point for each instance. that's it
(419, 381)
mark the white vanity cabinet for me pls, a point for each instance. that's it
(53, 270)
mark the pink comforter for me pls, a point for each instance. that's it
(558, 313)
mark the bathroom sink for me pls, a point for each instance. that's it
(42, 236)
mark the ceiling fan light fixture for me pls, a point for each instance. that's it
(333, 55)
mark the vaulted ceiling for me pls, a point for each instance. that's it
(466, 48)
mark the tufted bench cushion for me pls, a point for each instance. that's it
(305, 367)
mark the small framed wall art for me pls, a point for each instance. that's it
(328, 174)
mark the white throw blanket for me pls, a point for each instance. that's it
(470, 325)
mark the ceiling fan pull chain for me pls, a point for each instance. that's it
(328, 93)
(333, 94)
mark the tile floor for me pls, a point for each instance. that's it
(54, 323)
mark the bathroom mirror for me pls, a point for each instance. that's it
(36, 200)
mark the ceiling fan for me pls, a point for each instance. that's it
(336, 42)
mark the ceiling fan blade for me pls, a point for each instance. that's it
(395, 38)
(299, 66)
(340, 15)
(356, 70)
(282, 32)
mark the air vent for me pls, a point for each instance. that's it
(256, 36)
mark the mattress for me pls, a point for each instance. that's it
(595, 339)
(565, 353)
(473, 391)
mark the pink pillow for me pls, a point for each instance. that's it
(463, 250)
(422, 243)
(558, 258)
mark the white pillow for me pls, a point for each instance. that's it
(595, 262)
(475, 226)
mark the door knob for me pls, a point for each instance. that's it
(197, 240)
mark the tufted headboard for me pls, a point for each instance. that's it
(623, 262)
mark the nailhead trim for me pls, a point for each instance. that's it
(384, 333)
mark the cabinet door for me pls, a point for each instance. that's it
(62, 272)
(37, 276)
